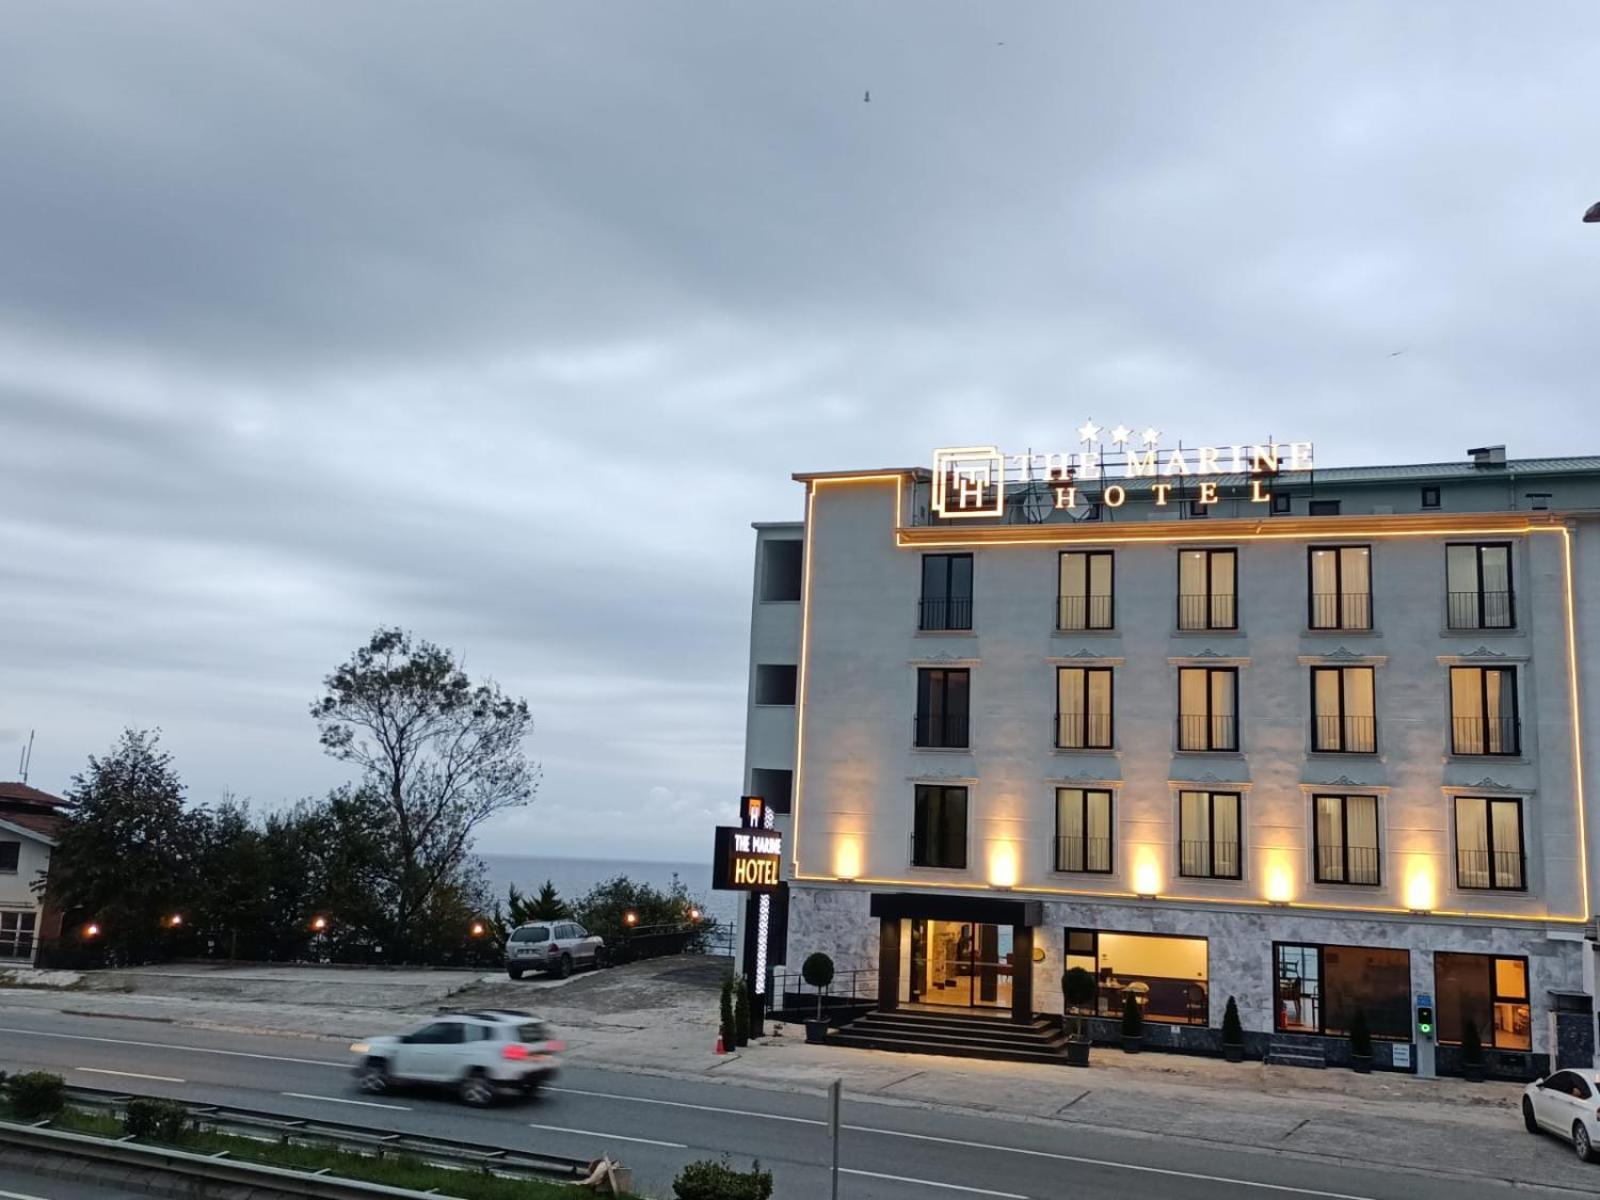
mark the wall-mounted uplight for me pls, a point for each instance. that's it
(1147, 877)
(847, 859)
(1003, 866)
(1280, 885)
(1419, 888)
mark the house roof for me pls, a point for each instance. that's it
(21, 792)
(31, 825)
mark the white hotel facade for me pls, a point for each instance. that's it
(1316, 739)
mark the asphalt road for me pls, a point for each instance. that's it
(16, 1186)
(656, 1124)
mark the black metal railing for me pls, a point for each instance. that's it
(1479, 735)
(1344, 735)
(944, 612)
(1347, 864)
(1084, 854)
(929, 851)
(1207, 610)
(940, 731)
(1083, 612)
(1341, 610)
(1209, 859)
(1202, 731)
(1481, 610)
(1083, 731)
(847, 986)
(1502, 870)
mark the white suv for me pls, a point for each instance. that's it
(554, 946)
(479, 1054)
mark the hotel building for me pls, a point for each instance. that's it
(1230, 726)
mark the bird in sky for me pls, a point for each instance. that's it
(1396, 353)
(867, 99)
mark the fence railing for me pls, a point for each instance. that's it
(1348, 864)
(944, 612)
(1481, 610)
(1480, 735)
(1207, 610)
(1341, 610)
(1344, 735)
(848, 987)
(1083, 731)
(1203, 731)
(1092, 854)
(1503, 870)
(1216, 859)
(1083, 612)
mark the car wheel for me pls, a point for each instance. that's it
(375, 1077)
(564, 967)
(476, 1090)
(1528, 1119)
(1580, 1142)
(514, 972)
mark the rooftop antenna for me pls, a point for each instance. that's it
(27, 758)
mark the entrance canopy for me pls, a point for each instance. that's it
(982, 910)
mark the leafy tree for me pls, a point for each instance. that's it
(438, 755)
(604, 908)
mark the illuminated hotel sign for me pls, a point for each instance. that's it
(970, 481)
(746, 860)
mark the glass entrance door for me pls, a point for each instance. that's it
(961, 964)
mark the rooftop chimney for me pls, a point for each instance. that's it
(1488, 456)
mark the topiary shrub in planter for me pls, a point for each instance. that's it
(156, 1120)
(817, 970)
(1360, 1043)
(1132, 1024)
(725, 1013)
(1471, 1052)
(1232, 1033)
(741, 1013)
(709, 1180)
(36, 1094)
(1078, 991)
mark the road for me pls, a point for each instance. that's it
(16, 1186)
(656, 1124)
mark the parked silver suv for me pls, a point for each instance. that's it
(552, 946)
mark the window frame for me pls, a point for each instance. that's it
(1483, 670)
(13, 849)
(1339, 593)
(1211, 553)
(944, 790)
(1488, 803)
(1434, 491)
(768, 570)
(1209, 715)
(949, 625)
(923, 720)
(765, 675)
(1281, 510)
(1344, 799)
(1494, 998)
(1342, 716)
(1084, 793)
(1111, 708)
(1321, 949)
(1511, 585)
(1094, 955)
(1088, 575)
(1211, 833)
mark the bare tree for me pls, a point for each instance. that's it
(441, 753)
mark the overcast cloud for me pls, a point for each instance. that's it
(503, 321)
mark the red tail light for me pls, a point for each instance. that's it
(516, 1052)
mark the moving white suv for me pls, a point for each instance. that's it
(554, 946)
(479, 1054)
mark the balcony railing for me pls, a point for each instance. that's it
(1481, 610)
(1502, 870)
(1479, 735)
(1083, 854)
(940, 731)
(1341, 610)
(1344, 735)
(1083, 731)
(1200, 731)
(930, 851)
(1207, 610)
(1209, 860)
(944, 612)
(1363, 864)
(1083, 612)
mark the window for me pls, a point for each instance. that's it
(1323, 508)
(1208, 835)
(1489, 843)
(1282, 504)
(1430, 497)
(946, 592)
(780, 569)
(1084, 596)
(1344, 834)
(939, 829)
(1340, 587)
(440, 1033)
(1083, 830)
(942, 707)
(531, 933)
(1568, 1083)
(16, 934)
(1083, 708)
(1208, 708)
(1483, 711)
(1319, 989)
(775, 786)
(1489, 991)
(1207, 589)
(1343, 711)
(10, 856)
(775, 683)
(1478, 585)
(1198, 509)
(1167, 976)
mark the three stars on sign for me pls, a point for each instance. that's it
(1120, 436)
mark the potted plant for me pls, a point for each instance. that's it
(1471, 1053)
(817, 971)
(1078, 991)
(1360, 1043)
(741, 1014)
(725, 1013)
(1232, 1033)
(1132, 1024)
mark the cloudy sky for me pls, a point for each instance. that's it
(503, 321)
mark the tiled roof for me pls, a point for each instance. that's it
(11, 790)
(40, 822)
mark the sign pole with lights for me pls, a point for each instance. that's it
(746, 858)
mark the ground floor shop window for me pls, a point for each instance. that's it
(16, 934)
(1168, 976)
(1489, 991)
(1319, 989)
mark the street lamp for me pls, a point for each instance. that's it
(630, 918)
(175, 921)
(478, 929)
(91, 930)
(694, 914)
(318, 924)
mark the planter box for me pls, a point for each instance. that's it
(1130, 1045)
(817, 1031)
(1078, 1053)
(1361, 1063)
(1233, 1052)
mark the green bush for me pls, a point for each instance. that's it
(741, 1013)
(725, 1015)
(1232, 1030)
(156, 1120)
(707, 1180)
(36, 1094)
(1471, 1044)
(1132, 1017)
(1360, 1034)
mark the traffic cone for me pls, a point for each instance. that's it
(721, 1049)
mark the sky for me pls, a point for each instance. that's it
(503, 321)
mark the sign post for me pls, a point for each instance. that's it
(833, 1133)
(1425, 1064)
(747, 858)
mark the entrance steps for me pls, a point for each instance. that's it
(957, 1033)
(1295, 1054)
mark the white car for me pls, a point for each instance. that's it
(479, 1054)
(1566, 1104)
(553, 946)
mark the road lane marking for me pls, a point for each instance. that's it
(130, 1075)
(933, 1183)
(105, 1041)
(710, 1108)
(18, 1196)
(343, 1100)
(616, 1137)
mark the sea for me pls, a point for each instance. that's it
(575, 876)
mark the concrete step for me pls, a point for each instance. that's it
(916, 1045)
(947, 1039)
(1291, 1054)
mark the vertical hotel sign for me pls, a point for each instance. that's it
(970, 481)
